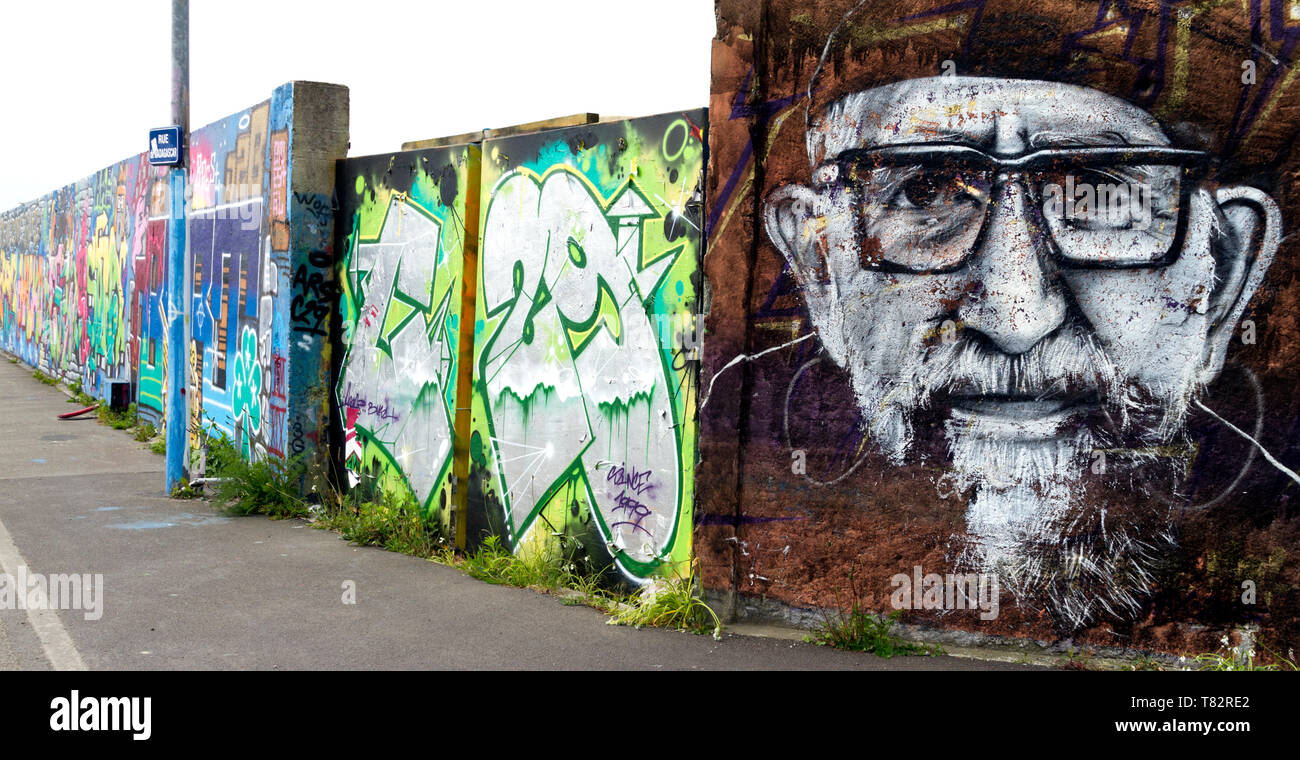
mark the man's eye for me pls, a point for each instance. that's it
(921, 190)
(936, 189)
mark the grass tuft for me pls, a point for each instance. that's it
(118, 420)
(555, 563)
(670, 603)
(183, 491)
(393, 521)
(265, 487)
(538, 567)
(861, 631)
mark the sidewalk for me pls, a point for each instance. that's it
(188, 588)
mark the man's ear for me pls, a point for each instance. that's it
(1252, 231)
(799, 223)
(790, 215)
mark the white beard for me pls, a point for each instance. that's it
(1028, 518)
(1022, 488)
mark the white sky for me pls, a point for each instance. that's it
(82, 81)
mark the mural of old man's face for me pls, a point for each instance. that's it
(1007, 291)
(1037, 265)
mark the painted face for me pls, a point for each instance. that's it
(964, 212)
(1036, 263)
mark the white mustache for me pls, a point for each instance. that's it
(1069, 365)
(1069, 362)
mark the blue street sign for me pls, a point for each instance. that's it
(165, 146)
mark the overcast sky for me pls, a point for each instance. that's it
(82, 82)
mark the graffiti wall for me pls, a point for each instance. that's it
(585, 342)
(260, 237)
(404, 221)
(1002, 304)
(237, 354)
(82, 274)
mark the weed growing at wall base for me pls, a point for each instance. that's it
(1145, 662)
(267, 487)
(672, 603)
(495, 563)
(394, 522)
(1079, 659)
(183, 491)
(1228, 658)
(861, 631)
(118, 420)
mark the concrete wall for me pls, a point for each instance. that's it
(236, 356)
(84, 274)
(518, 317)
(916, 369)
(318, 137)
(1048, 406)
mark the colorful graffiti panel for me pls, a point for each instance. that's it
(238, 338)
(401, 282)
(585, 339)
(82, 279)
(83, 275)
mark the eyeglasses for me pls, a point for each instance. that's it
(922, 209)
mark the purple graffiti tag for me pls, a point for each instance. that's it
(382, 411)
(638, 482)
(357, 401)
(630, 477)
(637, 512)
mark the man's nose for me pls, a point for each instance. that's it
(1019, 302)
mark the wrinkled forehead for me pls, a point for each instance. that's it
(1004, 116)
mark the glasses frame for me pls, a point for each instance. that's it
(1194, 163)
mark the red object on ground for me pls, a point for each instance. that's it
(78, 413)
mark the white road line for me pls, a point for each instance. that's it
(55, 641)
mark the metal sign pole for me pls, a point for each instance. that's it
(177, 357)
